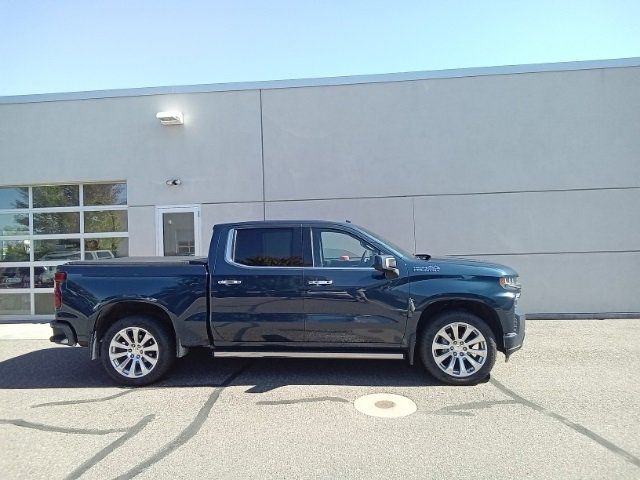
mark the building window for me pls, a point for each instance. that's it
(42, 226)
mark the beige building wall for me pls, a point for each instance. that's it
(538, 170)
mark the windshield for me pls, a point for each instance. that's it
(396, 248)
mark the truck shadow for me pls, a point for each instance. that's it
(71, 368)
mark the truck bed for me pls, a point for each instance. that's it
(175, 288)
(144, 261)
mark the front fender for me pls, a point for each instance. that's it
(483, 294)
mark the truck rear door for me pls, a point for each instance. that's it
(256, 285)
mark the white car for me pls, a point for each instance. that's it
(88, 255)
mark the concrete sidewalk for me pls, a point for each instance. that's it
(25, 331)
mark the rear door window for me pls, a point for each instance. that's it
(268, 247)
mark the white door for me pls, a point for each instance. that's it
(178, 230)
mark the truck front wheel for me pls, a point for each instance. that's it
(136, 351)
(458, 348)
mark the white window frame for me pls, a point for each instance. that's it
(193, 208)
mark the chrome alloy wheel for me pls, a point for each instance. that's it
(133, 352)
(459, 349)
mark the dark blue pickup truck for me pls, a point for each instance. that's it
(291, 289)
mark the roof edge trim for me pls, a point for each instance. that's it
(326, 81)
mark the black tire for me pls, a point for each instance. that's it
(426, 342)
(164, 357)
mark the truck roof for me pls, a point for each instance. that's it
(284, 222)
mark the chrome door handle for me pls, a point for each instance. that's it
(320, 282)
(229, 282)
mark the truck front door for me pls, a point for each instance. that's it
(256, 286)
(346, 299)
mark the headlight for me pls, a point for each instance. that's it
(510, 282)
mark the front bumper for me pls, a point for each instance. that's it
(63, 333)
(513, 340)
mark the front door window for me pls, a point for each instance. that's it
(338, 249)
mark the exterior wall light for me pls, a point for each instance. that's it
(170, 118)
(174, 182)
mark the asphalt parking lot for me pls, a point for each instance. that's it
(566, 406)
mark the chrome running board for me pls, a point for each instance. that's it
(364, 355)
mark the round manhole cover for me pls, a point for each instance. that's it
(386, 405)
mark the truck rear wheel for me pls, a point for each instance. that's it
(137, 350)
(458, 348)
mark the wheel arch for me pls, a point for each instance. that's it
(475, 307)
(118, 310)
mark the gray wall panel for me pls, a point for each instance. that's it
(576, 283)
(224, 213)
(554, 130)
(573, 221)
(142, 231)
(391, 218)
(120, 138)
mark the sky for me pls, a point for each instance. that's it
(65, 45)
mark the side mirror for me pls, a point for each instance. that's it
(387, 265)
